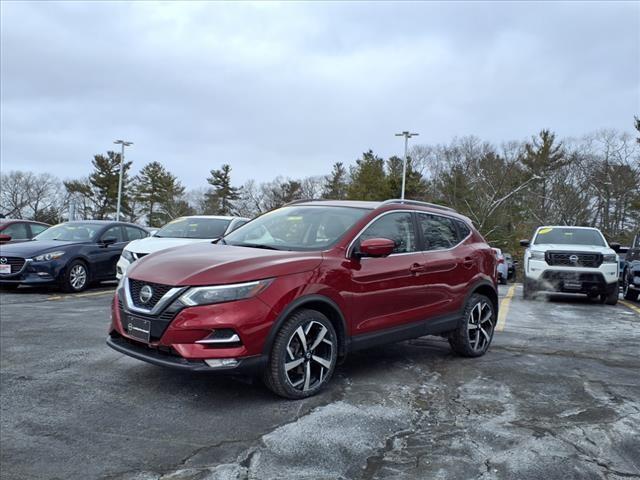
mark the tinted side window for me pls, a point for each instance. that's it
(135, 233)
(394, 226)
(439, 233)
(18, 231)
(637, 244)
(114, 232)
(463, 229)
(37, 229)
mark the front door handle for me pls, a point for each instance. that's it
(417, 268)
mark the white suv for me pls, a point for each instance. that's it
(572, 260)
(178, 232)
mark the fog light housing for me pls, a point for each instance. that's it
(221, 362)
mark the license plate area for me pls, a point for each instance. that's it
(138, 328)
(572, 285)
(4, 268)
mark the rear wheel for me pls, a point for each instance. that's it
(626, 291)
(473, 336)
(76, 278)
(303, 357)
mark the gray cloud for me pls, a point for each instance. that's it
(291, 88)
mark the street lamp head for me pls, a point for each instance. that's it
(123, 142)
(406, 134)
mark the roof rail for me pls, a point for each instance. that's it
(417, 202)
(303, 200)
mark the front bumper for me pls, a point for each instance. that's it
(35, 273)
(573, 282)
(537, 269)
(162, 358)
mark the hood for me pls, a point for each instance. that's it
(155, 244)
(558, 247)
(209, 264)
(33, 248)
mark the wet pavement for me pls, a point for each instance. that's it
(556, 397)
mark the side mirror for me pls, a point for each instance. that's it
(614, 246)
(525, 243)
(376, 247)
(5, 238)
(108, 241)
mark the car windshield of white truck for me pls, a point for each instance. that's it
(194, 228)
(569, 236)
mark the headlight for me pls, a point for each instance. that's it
(223, 293)
(610, 258)
(45, 257)
(537, 255)
(127, 255)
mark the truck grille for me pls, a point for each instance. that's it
(135, 286)
(16, 263)
(574, 259)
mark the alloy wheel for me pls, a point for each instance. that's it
(78, 277)
(309, 356)
(480, 326)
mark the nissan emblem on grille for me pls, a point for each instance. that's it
(573, 259)
(146, 293)
(3, 260)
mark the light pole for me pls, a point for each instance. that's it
(124, 144)
(406, 136)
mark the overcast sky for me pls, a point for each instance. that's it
(288, 89)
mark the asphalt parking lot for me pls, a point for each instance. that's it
(557, 396)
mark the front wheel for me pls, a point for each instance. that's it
(610, 298)
(475, 329)
(627, 293)
(303, 357)
(528, 291)
(76, 278)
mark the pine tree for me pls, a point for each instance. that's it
(336, 185)
(158, 191)
(104, 185)
(414, 185)
(368, 179)
(219, 201)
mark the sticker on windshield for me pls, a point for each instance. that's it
(544, 231)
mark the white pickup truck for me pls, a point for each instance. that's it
(571, 260)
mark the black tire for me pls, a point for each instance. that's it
(70, 281)
(611, 298)
(628, 294)
(474, 342)
(9, 286)
(503, 280)
(528, 291)
(313, 366)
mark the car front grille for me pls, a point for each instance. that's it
(159, 323)
(135, 287)
(16, 263)
(571, 259)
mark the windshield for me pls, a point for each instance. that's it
(297, 228)
(190, 227)
(569, 236)
(71, 232)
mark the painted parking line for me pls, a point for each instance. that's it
(504, 308)
(81, 295)
(631, 306)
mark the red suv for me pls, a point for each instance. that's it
(290, 293)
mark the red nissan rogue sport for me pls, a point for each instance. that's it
(290, 293)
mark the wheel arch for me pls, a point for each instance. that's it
(320, 303)
(486, 288)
